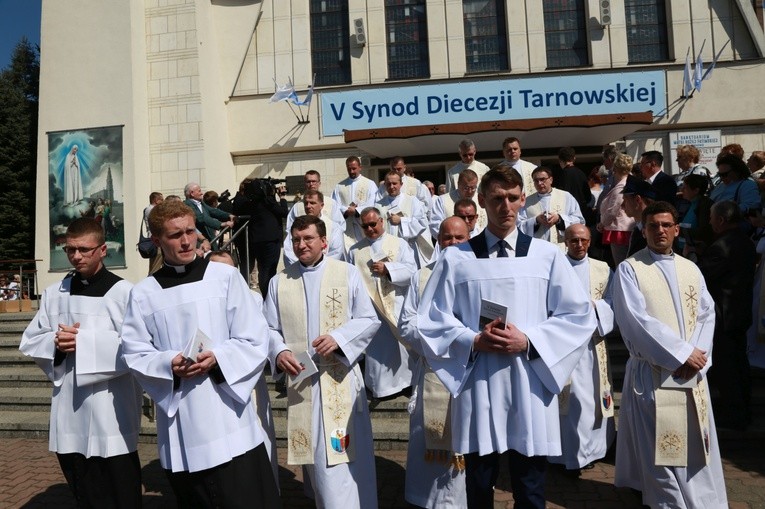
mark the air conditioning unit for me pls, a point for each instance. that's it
(358, 29)
(605, 12)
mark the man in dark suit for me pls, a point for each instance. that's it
(728, 266)
(258, 199)
(662, 184)
(574, 181)
(208, 219)
(638, 194)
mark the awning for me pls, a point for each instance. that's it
(587, 130)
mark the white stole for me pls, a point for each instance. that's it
(599, 273)
(334, 380)
(671, 447)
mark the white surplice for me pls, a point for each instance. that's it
(430, 484)
(96, 405)
(413, 223)
(505, 401)
(348, 485)
(387, 366)
(348, 190)
(571, 214)
(410, 186)
(653, 345)
(201, 423)
(585, 435)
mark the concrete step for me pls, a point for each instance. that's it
(22, 377)
(13, 357)
(27, 399)
(10, 341)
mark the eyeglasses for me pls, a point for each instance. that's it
(540, 180)
(370, 225)
(657, 226)
(466, 217)
(308, 240)
(84, 251)
(468, 189)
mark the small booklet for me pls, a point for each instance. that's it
(395, 211)
(379, 256)
(669, 381)
(305, 360)
(196, 345)
(490, 311)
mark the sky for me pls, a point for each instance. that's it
(18, 18)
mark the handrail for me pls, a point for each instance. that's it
(236, 234)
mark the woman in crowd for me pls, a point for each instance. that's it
(615, 224)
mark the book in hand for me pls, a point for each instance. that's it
(490, 311)
(305, 360)
(395, 211)
(196, 345)
(379, 256)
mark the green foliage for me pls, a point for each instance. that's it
(19, 86)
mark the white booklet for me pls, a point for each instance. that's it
(379, 256)
(305, 360)
(196, 345)
(490, 311)
(395, 211)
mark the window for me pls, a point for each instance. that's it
(646, 31)
(406, 26)
(330, 42)
(485, 35)
(565, 33)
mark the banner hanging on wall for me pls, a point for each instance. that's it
(85, 180)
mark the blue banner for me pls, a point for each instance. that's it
(481, 101)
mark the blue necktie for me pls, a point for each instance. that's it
(501, 251)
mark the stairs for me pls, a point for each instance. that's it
(25, 397)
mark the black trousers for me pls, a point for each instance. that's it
(245, 482)
(266, 255)
(730, 374)
(527, 478)
(103, 482)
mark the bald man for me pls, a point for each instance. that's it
(435, 476)
(586, 403)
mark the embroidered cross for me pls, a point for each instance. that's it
(599, 291)
(691, 302)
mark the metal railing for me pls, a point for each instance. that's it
(31, 285)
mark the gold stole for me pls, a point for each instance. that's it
(334, 379)
(405, 204)
(357, 196)
(671, 447)
(557, 205)
(380, 289)
(449, 201)
(599, 273)
(436, 409)
(409, 186)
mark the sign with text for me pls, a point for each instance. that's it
(481, 101)
(709, 144)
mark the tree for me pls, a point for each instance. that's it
(19, 86)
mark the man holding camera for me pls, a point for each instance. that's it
(257, 198)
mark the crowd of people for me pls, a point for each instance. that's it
(488, 305)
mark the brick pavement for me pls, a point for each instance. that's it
(30, 478)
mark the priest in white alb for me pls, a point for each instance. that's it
(319, 308)
(353, 195)
(586, 403)
(468, 161)
(505, 374)
(548, 211)
(330, 210)
(95, 412)
(410, 185)
(444, 205)
(386, 264)
(313, 205)
(667, 442)
(197, 343)
(405, 217)
(435, 475)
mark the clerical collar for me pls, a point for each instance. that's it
(308, 268)
(574, 261)
(96, 285)
(659, 256)
(92, 279)
(492, 239)
(180, 269)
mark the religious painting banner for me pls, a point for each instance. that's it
(85, 178)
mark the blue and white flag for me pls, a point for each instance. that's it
(687, 77)
(284, 92)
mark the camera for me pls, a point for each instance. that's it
(261, 188)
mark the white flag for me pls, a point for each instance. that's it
(687, 78)
(283, 92)
(305, 102)
(698, 72)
